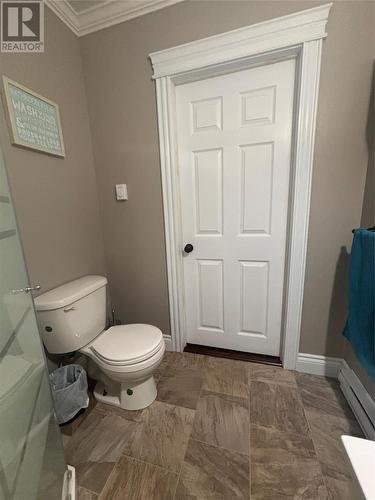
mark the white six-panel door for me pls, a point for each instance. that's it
(234, 141)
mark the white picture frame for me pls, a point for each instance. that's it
(34, 121)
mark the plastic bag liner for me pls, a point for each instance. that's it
(69, 391)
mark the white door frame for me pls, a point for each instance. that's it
(297, 35)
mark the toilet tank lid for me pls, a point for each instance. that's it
(68, 293)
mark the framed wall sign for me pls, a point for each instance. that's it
(34, 121)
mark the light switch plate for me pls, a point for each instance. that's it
(121, 192)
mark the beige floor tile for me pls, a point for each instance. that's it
(163, 365)
(65, 439)
(133, 415)
(93, 475)
(180, 387)
(331, 425)
(138, 455)
(162, 437)
(323, 394)
(226, 376)
(216, 360)
(212, 473)
(222, 420)
(339, 485)
(187, 360)
(329, 417)
(96, 446)
(84, 494)
(272, 446)
(135, 480)
(302, 480)
(271, 374)
(278, 407)
(316, 383)
(326, 432)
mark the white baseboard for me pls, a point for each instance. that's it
(361, 403)
(318, 365)
(168, 342)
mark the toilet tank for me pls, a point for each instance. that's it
(72, 315)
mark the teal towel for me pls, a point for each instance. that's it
(360, 326)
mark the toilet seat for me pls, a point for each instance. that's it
(127, 345)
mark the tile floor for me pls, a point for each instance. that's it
(220, 429)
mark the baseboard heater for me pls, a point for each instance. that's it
(359, 399)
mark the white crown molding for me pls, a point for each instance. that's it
(117, 12)
(293, 29)
(65, 13)
(105, 14)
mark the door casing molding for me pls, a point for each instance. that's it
(297, 35)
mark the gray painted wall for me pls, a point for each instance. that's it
(55, 199)
(122, 108)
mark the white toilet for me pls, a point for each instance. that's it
(72, 317)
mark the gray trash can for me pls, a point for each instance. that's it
(69, 391)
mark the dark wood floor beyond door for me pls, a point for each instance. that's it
(230, 354)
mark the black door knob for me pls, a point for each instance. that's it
(188, 248)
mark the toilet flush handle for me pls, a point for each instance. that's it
(70, 308)
(27, 289)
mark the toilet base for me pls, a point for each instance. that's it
(131, 397)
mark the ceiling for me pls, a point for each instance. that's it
(86, 16)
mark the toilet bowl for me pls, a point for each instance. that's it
(123, 358)
(129, 355)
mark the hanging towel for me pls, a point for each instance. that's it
(360, 326)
